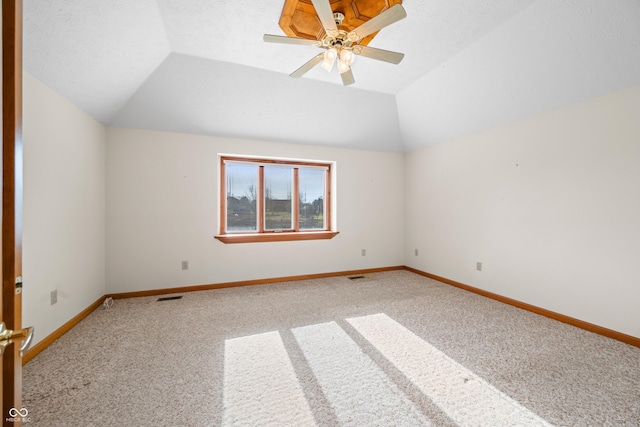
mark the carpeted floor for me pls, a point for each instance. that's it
(391, 349)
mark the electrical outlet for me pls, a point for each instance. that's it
(415, 252)
(364, 252)
(185, 265)
(54, 296)
(479, 266)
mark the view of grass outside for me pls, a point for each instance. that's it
(242, 182)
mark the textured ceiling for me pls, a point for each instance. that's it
(200, 66)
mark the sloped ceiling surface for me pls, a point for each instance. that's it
(555, 53)
(200, 66)
(95, 53)
(196, 95)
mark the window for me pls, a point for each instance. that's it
(266, 200)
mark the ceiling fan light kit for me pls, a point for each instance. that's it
(329, 59)
(343, 67)
(342, 44)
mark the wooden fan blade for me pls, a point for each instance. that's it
(323, 9)
(307, 66)
(289, 40)
(380, 54)
(386, 18)
(347, 77)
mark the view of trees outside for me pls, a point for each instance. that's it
(242, 181)
(278, 186)
(242, 184)
(311, 185)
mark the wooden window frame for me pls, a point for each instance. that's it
(262, 235)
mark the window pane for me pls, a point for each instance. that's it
(312, 207)
(278, 185)
(242, 185)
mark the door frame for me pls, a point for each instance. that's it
(11, 257)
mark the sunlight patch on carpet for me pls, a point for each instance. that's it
(466, 398)
(359, 391)
(260, 384)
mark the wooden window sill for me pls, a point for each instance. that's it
(276, 237)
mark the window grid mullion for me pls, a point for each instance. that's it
(261, 201)
(295, 199)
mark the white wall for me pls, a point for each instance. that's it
(64, 209)
(550, 205)
(162, 208)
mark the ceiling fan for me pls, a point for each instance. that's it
(341, 45)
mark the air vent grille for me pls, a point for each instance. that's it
(170, 298)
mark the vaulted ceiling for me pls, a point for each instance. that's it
(200, 66)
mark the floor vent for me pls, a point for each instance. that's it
(170, 298)
(356, 277)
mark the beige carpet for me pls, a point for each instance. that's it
(393, 348)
